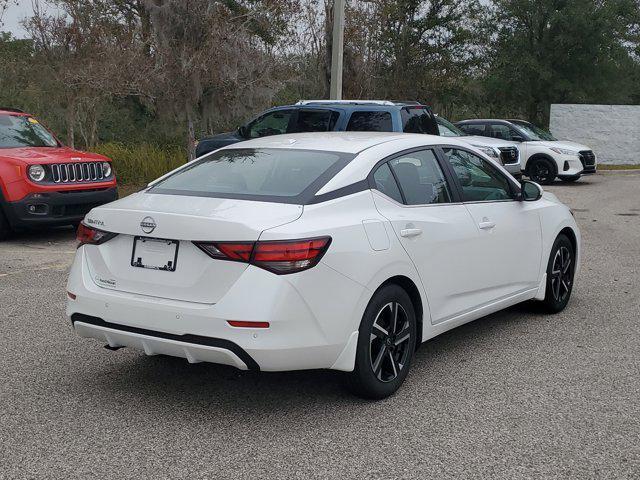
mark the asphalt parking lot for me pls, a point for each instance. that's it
(514, 395)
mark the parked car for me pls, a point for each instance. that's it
(357, 116)
(43, 182)
(329, 250)
(329, 115)
(502, 151)
(543, 157)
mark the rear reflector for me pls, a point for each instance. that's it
(72, 296)
(243, 324)
(278, 256)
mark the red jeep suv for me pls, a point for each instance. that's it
(42, 182)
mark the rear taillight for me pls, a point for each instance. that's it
(92, 236)
(278, 256)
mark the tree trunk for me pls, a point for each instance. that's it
(191, 136)
(328, 38)
(71, 123)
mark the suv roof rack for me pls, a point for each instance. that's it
(9, 109)
(408, 102)
(345, 102)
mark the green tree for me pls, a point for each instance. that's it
(560, 51)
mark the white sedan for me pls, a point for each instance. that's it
(340, 250)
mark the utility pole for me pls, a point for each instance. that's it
(337, 47)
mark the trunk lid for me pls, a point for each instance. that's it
(197, 277)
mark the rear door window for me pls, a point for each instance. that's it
(257, 174)
(315, 121)
(474, 129)
(370, 122)
(420, 178)
(503, 132)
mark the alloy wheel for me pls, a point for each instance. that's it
(389, 342)
(561, 274)
(541, 172)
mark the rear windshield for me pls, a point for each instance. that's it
(21, 131)
(267, 174)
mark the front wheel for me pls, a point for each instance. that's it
(542, 171)
(386, 344)
(560, 271)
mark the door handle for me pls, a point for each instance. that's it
(486, 225)
(410, 232)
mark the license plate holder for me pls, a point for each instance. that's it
(155, 253)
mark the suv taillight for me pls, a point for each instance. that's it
(92, 236)
(277, 256)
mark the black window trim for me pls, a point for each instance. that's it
(456, 199)
(515, 188)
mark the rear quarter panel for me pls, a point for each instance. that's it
(351, 253)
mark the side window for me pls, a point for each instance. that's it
(420, 178)
(471, 129)
(370, 122)
(315, 121)
(416, 120)
(502, 132)
(445, 131)
(272, 123)
(479, 179)
(385, 182)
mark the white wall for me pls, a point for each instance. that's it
(612, 131)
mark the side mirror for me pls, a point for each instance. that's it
(529, 191)
(243, 131)
(517, 138)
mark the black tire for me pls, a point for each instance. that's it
(541, 170)
(570, 179)
(5, 228)
(560, 272)
(384, 353)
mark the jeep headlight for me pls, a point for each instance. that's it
(106, 169)
(563, 151)
(36, 173)
(489, 151)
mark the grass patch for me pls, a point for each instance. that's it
(140, 164)
(618, 167)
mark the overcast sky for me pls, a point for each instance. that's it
(17, 11)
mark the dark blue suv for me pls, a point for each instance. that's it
(330, 115)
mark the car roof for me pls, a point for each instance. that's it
(342, 142)
(353, 105)
(482, 120)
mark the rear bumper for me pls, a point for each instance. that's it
(192, 347)
(57, 207)
(309, 328)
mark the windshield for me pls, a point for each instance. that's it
(256, 174)
(536, 133)
(448, 129)
(20, 131)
